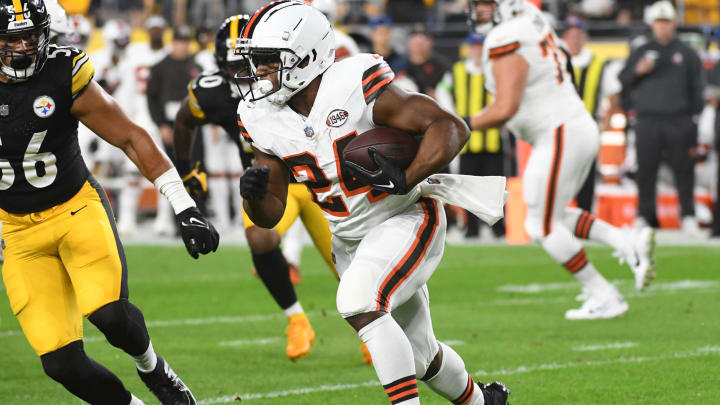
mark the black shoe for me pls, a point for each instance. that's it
(166, 385)
(494, 393)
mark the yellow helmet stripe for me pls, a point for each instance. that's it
(17, 5)
(234, 31)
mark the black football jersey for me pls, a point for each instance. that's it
(213, 98)
(40, 161)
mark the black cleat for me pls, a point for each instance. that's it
(166, 385)
(495, 393)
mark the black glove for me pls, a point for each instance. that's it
(195, 182)
(254, 182)
(388, 177)
(197, 232)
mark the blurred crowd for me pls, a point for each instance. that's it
(426, 42)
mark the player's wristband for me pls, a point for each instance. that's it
(171, 186)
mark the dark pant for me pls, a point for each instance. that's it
(490, 164)
(668, 138)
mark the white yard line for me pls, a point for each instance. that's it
(214, 320)
(454, 342)
(246, 342)
(701, 352)
(606, 346)
(535, 288)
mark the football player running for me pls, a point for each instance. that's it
(387, 237)
(535, 98)
(212, 98)
(63, 258)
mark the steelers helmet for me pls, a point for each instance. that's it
(24, 38)
(226, 40)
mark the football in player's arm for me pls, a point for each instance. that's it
(265, 185)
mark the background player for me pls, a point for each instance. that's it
(213, 99)
(535, 97)
(64, 259)
(386, 246)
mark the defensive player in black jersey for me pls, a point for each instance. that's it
(63, 258)
(213, 98)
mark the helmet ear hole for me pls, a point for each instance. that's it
(306, 61)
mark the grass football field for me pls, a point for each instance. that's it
(500, 307)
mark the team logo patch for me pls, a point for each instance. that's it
(677, 58)
(44, 106)
(4, 110)
(336, 118)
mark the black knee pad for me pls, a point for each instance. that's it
(66, 363)
(123, 325)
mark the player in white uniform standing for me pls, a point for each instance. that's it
(536, 99)
(387, 238)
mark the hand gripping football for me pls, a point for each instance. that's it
(396, 145)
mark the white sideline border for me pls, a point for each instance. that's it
(700, 352)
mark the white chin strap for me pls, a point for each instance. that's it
(483, 28)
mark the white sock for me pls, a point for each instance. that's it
(589, 277)
(453, 382)
(586, 226)
(218, 187)
(292, 243)
(147, 361)
(392, 358)
(135, 400)
(293, 309)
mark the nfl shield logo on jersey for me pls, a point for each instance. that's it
(4, 110)
(309, 132)
(44, 106)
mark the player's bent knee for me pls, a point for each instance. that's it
(123, 325)
(356, 293)
(261, 240)
(66, 362)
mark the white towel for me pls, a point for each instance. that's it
(483, 196)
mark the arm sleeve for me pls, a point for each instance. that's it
(154, 99)
(627, 75)
(82, 73)
(696, 83)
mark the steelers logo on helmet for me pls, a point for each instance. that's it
(44, 106)
(24, 38)
(287, 45)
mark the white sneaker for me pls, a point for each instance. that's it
(691, 228)
(641, 256)
(600, 306)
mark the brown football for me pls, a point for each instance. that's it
(396, 145)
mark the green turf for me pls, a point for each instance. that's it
(519, 338)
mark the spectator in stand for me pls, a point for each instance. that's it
(381, 31)
(595, 80)
(426, 68)
(665, 81)
(408, 11)
(714, 95)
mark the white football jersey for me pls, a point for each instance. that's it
(312, 146)
(550, 98)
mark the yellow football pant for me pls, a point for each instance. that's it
(300, 204)
(61, 264)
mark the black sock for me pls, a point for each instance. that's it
(83, 376)
(274, 272)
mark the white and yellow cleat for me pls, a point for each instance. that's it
(301, 336)
(609, 304)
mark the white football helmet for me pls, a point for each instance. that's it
(116, 34)
(293, 35)
(504, 11)
(327, 7)
(59, 23)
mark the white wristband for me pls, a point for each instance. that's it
(171, 186)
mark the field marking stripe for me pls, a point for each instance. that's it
(605, 346)
(298, 391)
(703, 351)
(247, 342)
(268, 317)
